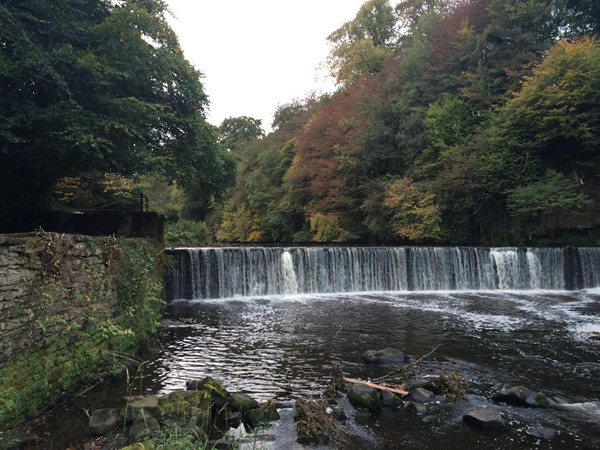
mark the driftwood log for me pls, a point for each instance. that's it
(376, 386)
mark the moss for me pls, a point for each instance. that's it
(218, 394)
(362, 396)
(542, 401)
(267, 413)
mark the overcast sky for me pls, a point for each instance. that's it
(257, 54)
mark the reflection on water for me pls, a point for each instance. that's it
(284, 347)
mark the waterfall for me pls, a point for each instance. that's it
(590, 262)
(204, 273)
(290, 284)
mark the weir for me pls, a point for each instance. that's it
(212, 273)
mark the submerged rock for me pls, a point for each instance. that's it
(542, 433)
(588, 408)
(523, 396)
(486, 419)
(420, 395)
(362, 416)
(363, 396)
(387, 356)
(416, 408)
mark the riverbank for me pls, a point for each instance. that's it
(73, 309)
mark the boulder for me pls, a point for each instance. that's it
(218, 393)
(390, 400)
(139, 409)
(420, 395)
(486, 419)
(144, 427)
(180, 405)
(363, 396)
(150, 401)
(522, 396)
(242, 402)
(104, 420)
(266, 414)
(387, 356)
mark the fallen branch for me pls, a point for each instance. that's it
(376, 386)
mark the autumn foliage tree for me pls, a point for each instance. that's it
(472, 121)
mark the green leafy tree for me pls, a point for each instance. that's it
(557, 111)
(98, 86)
(360, 46)
(236, 131)
(164, 196)
(553, 194)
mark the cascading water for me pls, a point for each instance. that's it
(203, 273)
(290, 284)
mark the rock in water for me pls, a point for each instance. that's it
(416, 408)
(363, 396)
(242, 402)
(542, 433)
(486, 419)
(218, 393)
(266, 414)
(420, 395)
(387, 356)
(390, 400)
(522, 396)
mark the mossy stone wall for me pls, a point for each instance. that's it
(70, 308)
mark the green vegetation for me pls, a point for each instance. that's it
(187, 233)
(96, 89)
(457, 122)
(66, 349)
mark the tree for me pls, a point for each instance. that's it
(236, 131)
(578, 17)
(98, 86)
(556, 114)
(415, 214)
(554, 194)
(399, 209)
(360, 46)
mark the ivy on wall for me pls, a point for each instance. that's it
(93, 300)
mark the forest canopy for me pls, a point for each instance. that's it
(454, 121)
(465, 121)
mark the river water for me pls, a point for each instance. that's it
(282, 347)
(283, 323)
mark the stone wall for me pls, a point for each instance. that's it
(68, 305)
